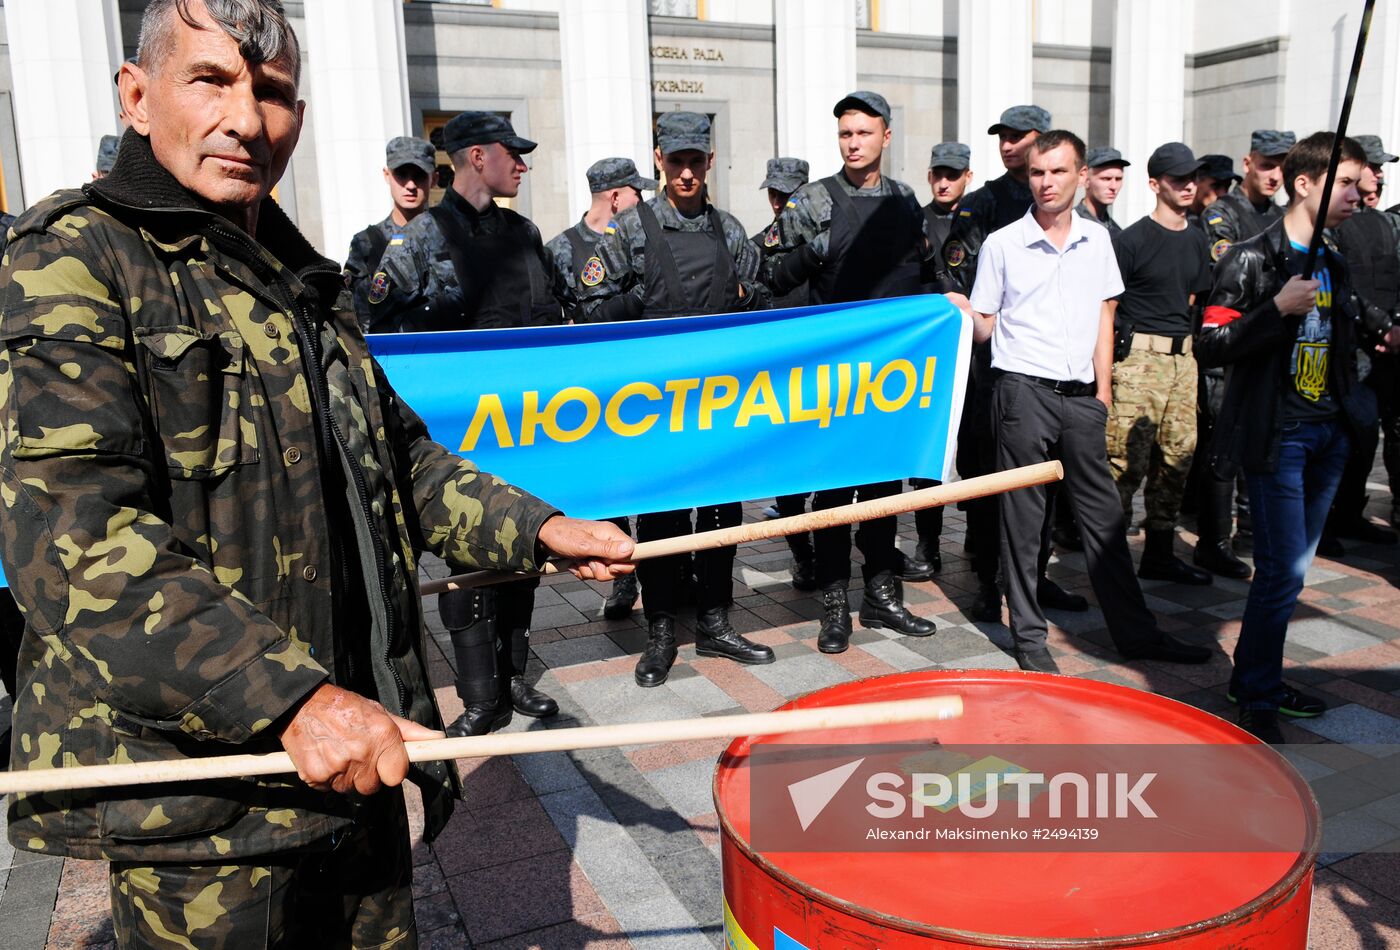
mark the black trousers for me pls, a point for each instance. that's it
(790, 506)
(875, 539)
(977, 456)
(714, 568)
(1034, 424)
(928, 522)
(1350, 502)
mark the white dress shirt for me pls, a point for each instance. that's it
(1047, 301)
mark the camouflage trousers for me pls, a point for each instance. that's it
(1152, 432)
(354, 892)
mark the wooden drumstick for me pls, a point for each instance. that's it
(926, 709)
(979, 487)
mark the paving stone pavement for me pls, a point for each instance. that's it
(620, 848)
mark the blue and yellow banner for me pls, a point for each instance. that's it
(620, 418)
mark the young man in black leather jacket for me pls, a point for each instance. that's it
(1292, 400)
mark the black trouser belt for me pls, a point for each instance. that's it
(1062, 387)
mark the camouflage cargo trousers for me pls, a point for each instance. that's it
(355, 892)
(1152, 432)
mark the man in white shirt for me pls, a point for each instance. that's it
(1042, 295)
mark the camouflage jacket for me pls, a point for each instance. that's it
(806, 218)
(623, 254)
(568, 276)
(417, 285)
(363, 261)
(990, 208)
(1087, 213)
(213, 502)
(1233, 219)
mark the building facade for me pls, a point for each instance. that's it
(586, 78)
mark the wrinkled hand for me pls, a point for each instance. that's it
(1297, 297)
(600, 549)
(340, 741)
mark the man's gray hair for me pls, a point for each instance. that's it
(259, 27)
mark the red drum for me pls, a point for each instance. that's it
(1066, 898)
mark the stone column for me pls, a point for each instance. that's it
(1148, 94)
(815, 49)
(605, 61)
(994, 72)
(63, 54)
(356, 87)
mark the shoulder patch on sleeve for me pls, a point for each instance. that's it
(955, 253)
(771, 237)
(611, 227)
(1214, 217)
(1218, 249)
(593, 272)
(378, 287)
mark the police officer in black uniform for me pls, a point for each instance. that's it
(408, 169)
(673, 256)
(784, 175)
(469, 264)
(1368, 241)
(1106, 166)
(1245, 211)
(615, 185)
(990, 208)
(949, 174)
(857, 235)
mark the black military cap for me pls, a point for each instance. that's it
(786, 174)
(482, 128)
(407, 150)
(1101, 156)
(1219, 168)
(1375, 151)
(682, 132)
(107, 153)
(608, 173)
(1022, 119)
(1271, 143)
(1175, 159)
(871, 103)
(954, 155)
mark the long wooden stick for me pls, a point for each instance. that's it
(965, 490)
(516, 743)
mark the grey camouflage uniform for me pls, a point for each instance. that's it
(623, 253)
(561, 252)
(806, 220)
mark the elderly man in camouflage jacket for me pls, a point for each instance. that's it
(213, 508)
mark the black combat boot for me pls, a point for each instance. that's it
(1160, 564)
(623, 598)
(835, 634)
(925, 562)
(654, 665)
(881, 607)
(1214, 551)
(804, 562)
(987, 606)
(523, 697)
(715, 637)
(467, 616)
